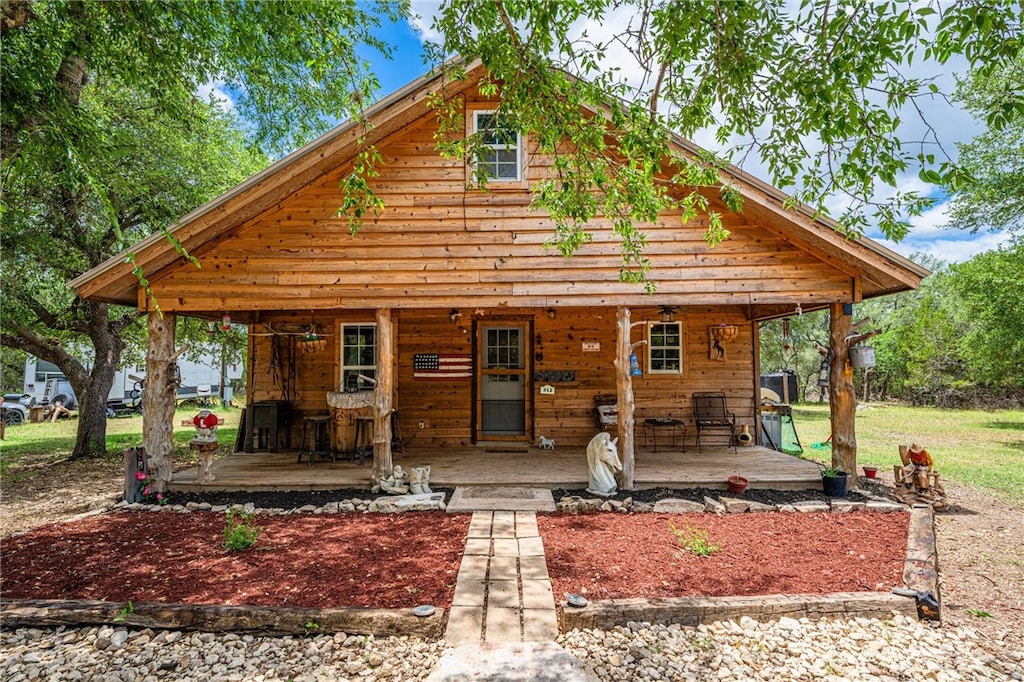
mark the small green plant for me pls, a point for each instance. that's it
(832, 473)
(978, 613)
(693, 540)
(128, 610)
(311, 626)
(239, 531)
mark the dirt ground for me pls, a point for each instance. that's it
(981, 555)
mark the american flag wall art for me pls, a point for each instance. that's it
(441, 367)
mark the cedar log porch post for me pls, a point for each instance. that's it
(158, 398)
(842, 399)
(382, 465)
(624, 397)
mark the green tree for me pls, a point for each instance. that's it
(818, 93)
(990, 315)
(103, 141)
(992, 197)
(129, 173)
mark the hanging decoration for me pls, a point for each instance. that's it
(225, 322)
(718, 336)
(312, 341)
(634, 366)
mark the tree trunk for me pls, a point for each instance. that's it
(382, 464)
(158, 398)
(624, 396)
(842, 398)
(91, 440)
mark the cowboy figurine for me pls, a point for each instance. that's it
(920, 463)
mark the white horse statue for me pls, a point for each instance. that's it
(603, 461)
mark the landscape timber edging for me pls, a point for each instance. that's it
(256, 620)
(693, 611)
(920, 578)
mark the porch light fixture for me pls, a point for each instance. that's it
(225, 322)
(668, 313)
(550, 312)
(454, 315)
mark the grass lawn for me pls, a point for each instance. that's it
(47, 441)
(982, 449)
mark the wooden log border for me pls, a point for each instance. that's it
(255, 620)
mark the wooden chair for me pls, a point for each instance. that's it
(606, 412)
(709, 412)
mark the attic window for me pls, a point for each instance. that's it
(499, 155)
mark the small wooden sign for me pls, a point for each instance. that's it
(547, 389)
(591, 346)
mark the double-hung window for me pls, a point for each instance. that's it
(665, 343)
(499, 154)
(358, 356)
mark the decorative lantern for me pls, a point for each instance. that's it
(634, 366)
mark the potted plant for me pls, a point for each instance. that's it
(737, 484)
(312, 342)
(833, 482)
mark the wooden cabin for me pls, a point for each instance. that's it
(448, 309)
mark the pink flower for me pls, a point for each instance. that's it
(148, 490)
(140, 476)
(159, 496)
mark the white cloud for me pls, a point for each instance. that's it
(216, 93)
(956, 248)
(423, 14)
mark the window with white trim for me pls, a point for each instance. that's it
(665, 348)
(358, 357)
(499, 156)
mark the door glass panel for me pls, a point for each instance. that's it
(503, 394)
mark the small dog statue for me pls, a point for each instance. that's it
(547, 443)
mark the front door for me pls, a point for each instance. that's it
(502, 387)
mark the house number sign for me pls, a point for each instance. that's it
(591, 346)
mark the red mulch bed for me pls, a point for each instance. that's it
(615, 556)
(363, 560)
(399, 561)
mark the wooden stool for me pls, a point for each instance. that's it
(364, 438)
(316, 441)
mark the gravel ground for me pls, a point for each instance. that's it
(860, 649)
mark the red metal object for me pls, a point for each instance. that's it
(205, 420)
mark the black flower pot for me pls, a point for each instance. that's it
(835, 485)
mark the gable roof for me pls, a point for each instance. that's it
(876, 269)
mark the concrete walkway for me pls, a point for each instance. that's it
(503, 592)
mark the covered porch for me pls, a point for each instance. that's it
(516, 465)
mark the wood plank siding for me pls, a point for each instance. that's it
(438, 244)
(446, 407)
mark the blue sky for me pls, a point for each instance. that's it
(928, 234)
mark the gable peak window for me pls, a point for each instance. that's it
(499, 155)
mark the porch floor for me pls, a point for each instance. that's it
(514, 465)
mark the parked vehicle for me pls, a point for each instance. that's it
(15, 408)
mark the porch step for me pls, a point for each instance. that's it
(500, 498)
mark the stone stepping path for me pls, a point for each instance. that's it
(503, 592)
